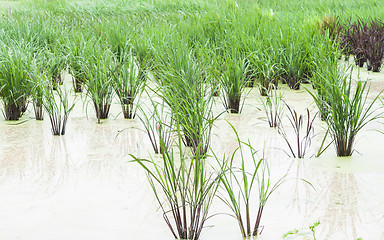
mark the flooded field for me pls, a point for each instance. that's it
(83, 186)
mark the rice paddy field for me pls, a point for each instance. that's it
(191, 119)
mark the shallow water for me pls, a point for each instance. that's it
(82, 185)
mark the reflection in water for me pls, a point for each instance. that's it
(342, 211)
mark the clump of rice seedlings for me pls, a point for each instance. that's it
(37, 78)
(266, 69)
(14, 84)
(233, 81)
(346, 107)
(128, 81)
(239, 184)
(303, 128)
(293, 66)
(325, 62)
(210, 75)
(273, 108)
(77, 45)
(56, 64)
(183, 188)
(358, 41)
(57, 105)
(99, 84)
(331, 25)
(158, 125)
(182, 87)
(375, 45)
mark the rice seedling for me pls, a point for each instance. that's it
(57, 105)
(375, 45)
(304, 132)
(183, 189)
(233, 80)
(325, 62)
(99, 82)
(266, 69)
(182, 87)
(158, 125)
(331, 25)
(128, 81)
(292, 63)
(14, 84)
(346, 107)
(56, 64)
(77, 46)
(273, 108)
(37, 78)
(238, 183)
(358, 41)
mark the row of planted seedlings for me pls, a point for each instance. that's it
(279, 56)
(33, 74)
(110, 64)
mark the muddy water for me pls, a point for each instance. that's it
(82, 185)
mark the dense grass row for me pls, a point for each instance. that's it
(184, 53)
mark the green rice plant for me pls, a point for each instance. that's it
(183, 188)
(78, 47)
(240, 182)
(331, 25)
(233, 80)
(37, 78)
(325, 62)
(99, 83)
(57, 105)
(273, 108)
(293, 58)
(128, 81)
(304, 132)
(346, 107)
(267, 69)
(205, 56)
(56, 64)
(158, 125)
(14, 84)
(182, 87)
